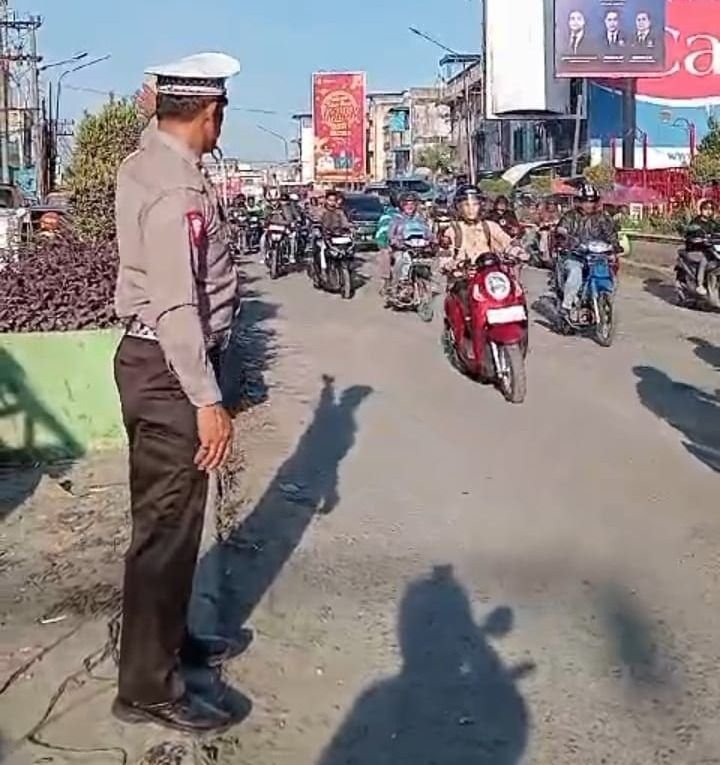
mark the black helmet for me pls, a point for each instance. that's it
(467, 192)
(408, 196)
(588, 193)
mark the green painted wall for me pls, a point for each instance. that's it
(57, 394)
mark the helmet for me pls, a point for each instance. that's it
(273, 194)
(466, 193)
(407, 196)
(284, 197)
(588, 193)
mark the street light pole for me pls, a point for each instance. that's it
(72, 71)
(467, 110)
(280, 138)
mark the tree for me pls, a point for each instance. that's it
(601, 176)
(706, 165)
(103, 140)
(439, 158)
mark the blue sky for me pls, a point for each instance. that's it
(279, 43)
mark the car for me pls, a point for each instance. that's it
(364, 211)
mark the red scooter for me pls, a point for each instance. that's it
(486, 326)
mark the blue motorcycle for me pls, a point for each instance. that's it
(594, 309)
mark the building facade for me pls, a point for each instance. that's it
(400, 125)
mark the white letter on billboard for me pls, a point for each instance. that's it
(712, 51)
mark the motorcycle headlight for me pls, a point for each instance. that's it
(497, 285)
(599, 248)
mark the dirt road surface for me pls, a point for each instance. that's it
(433, 576)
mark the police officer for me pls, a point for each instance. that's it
(177, 295)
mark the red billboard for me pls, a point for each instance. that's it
(692, 39)
(339, 126)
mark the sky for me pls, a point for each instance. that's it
(279, 44)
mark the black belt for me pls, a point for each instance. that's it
(138, 329)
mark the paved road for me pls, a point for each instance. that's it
(490, 583)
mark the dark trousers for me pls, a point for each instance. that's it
(167, 494)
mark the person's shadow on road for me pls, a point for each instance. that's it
(690, 410)
(454, 701)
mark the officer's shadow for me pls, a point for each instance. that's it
(235, 575)
(454, 701)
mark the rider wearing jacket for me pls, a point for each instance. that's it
(471, 236)
(504, 216)
(582, 224)
(408, 223)
(706, 224)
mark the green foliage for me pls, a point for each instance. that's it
(673, 223)
(495, 187)
(540, 185)
(439, 158)
(706, 165)
(103, 141)
(601, 176)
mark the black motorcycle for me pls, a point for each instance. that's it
(332, 264)
(278, 248)
(697, 242)
(254, 232)
(237, 220)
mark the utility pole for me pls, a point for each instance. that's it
(4, 95)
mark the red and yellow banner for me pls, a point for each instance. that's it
(339, 127)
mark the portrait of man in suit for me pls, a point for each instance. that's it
(644, 33)
(576, 32)
(613, 36)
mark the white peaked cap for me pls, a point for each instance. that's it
(204, 74)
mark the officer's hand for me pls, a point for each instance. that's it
(215, 430)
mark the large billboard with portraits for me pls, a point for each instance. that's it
(610, 38)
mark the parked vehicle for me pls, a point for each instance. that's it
(331, 268)
(686, 271)
(486, 326)
(413, 289)
(364, 212)
(594, 310)
(279, 250)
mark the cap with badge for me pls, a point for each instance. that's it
(204, 74)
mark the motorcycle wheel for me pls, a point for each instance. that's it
(425, 308)
(605, 321)
(347, 288)
(448, 346)
(274, 263)
(512, 379)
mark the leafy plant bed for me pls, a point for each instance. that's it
(57, 395)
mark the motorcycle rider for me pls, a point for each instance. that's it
(505, 216)
(333, 221)
(382, 239)
(469, 237)
(275, 214)
(706, 224)
(585, 222)
(472, 235)
(409, 222)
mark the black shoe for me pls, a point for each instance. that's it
(212, 650)
(188, 714)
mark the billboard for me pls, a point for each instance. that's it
(686, 94)
(610, 38)
(339, 127)
(519, 69)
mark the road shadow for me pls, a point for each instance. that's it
(454, 702)
(236, 573)
(251, 349)
(707, 352)
(636, 645)
(545, 308)
(662, 289)
(24, 462)
(690, 410)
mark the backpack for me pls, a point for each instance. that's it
(457, 228)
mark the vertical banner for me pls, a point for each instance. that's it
(339, 127)
(610, 38)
